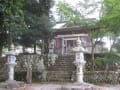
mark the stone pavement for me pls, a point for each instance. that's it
(58, 86)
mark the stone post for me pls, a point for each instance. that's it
(51, 47)
(79, 61)
(11, 63)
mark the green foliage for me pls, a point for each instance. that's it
(117, 46)
(20, 76)
(70, 14)
(37, 22)
(14, 17)
(77, 17)
(111, 16)
(99, 33)
(38, 8)
(106, 59)
(108, 25)
(38, 28)
(25, 19)
(2, 31)
(3, 38)
(11, 19)
(110, 22)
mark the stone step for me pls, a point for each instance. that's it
(64, 61)
(70, 65)
(63, 64)
(57, 61)
(62, 67)
(66, 55)
(68, 59)
(60, 76)
(59, 69)
(63, 79)
(62, 70)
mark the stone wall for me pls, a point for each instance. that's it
(33, 62)
(40, 65)
(3, 69)
(25, 87)
(24, 60)
(98, 77)
(40, 68)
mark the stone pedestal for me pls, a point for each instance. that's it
(11, 73)
(79, 61)
(79, 74)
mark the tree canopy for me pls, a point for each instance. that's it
(111, 16)
(11, 19)
(24, 19)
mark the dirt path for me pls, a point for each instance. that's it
(56, 87)
(45, 87)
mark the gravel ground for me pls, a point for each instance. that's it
(56, 87)
(111, 87)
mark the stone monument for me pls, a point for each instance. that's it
(11, 63)
(10, 84)
(79, 60)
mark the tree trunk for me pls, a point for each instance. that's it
(46, 46)
(93, 54)
(93, 57)
(29, 74)
(42, 48)
(0, 51)
(9, 41)
(110, 52)
(35, 44)
(23, 49)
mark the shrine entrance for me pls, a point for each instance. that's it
(69, 44)
(65, 43)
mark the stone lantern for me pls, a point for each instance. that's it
(79, 61)
(11, 63)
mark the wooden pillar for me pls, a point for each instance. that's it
(66, 46)
(62, 45)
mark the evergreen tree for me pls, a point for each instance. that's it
(38, 23)
(11, 19)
